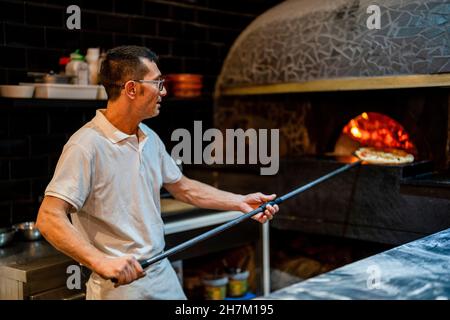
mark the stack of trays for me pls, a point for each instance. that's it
(184, 85)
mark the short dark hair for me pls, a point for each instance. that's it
(122, 64)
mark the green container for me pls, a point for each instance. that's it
(238, 284)
(215, 287)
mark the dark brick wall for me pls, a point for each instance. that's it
(189, 36)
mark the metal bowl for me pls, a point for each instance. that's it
(28, 230)
(6, 236)
(51, 77)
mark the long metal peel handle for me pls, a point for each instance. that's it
(229, 224)
(319, 180)
(208, 234)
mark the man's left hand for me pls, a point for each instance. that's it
(254, 200)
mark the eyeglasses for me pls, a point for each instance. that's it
(159, 83)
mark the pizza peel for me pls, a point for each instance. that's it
(215, 231)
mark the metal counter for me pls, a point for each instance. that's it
(419, 270)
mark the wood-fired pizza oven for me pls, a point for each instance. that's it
(308, 68)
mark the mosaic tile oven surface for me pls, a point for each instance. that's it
(301, 40)
(266, 113)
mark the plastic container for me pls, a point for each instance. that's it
(65, 91)
(78, 68)
(238, 283)
(215, 287)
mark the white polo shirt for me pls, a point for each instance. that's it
(113, 182)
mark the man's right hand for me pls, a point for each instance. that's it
(125, 269)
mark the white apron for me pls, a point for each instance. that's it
(159, 283)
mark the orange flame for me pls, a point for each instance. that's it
(373, 129)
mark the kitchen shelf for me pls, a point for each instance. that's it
(50, 103)
(196, 103)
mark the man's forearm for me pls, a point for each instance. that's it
(58, 230)
(208, 197)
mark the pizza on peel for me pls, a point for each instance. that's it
(384, 156)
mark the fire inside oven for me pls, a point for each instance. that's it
(372, 129)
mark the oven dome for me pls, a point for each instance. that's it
(307, 40)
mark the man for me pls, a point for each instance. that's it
(109, 178)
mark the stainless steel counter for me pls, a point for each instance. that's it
(23, 258)
(34, 270)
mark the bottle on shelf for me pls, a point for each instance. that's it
(92, 58)
(78, 68)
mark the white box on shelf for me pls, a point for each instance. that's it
(65, 91)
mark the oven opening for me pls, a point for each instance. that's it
(373, 129)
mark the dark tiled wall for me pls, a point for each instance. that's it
(31, 140)
(189, 36)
